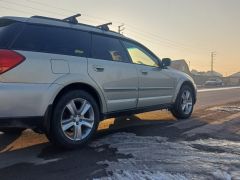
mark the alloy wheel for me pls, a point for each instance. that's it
(77, 119)
(186, 102)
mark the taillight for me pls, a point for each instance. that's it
(9, 59)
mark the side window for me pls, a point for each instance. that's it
(139, 55)
(54, 40)
(108, 48)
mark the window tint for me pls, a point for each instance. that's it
(108, 48)
(139, 55)
(8, 31)
(54, 40)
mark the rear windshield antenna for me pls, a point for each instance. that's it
(72, 19)
(104, 26)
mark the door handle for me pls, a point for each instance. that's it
(144, 72)
(98, 68)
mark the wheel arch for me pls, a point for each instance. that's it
(83, 86)
(188, 83)
(73, 86)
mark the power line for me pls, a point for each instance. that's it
(21, 11)
(97, 19)
(33, 8)
(120, 28)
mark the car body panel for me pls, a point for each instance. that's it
(36, 68)
(25, 99)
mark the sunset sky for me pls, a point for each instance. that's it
(178, 29)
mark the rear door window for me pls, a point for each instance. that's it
(108, 48)
(54, 40)
(8, 31)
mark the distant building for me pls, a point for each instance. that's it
(236, 75)
(201, 77)
(181, 65)
(233, 80)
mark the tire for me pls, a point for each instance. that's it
(183, 107)
(12, 130)
(75, 120)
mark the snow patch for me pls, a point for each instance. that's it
(226, 108)
(143, 175)
(156, 158)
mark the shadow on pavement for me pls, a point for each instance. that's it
(6, 139)
(44, 161)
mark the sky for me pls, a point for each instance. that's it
(177, 29)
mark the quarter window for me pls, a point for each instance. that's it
(139, 55)
(54, 40)
(8, 30)
(108, 48)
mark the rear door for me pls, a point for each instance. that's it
(109, 67)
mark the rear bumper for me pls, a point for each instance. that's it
(25, 99)
(34, 122)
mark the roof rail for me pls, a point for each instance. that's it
(104, 26)
(43, 17)
(72, 19)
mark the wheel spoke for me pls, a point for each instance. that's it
(183, 96)
(67, 125)
(77, 132)
(87, 124)
(183, 107)
(66, 121)
(72, 108)
(82, 106)
(187, 95)
(189, 106)
(85, 109)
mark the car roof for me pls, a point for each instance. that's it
(65, 24)
(61, 23)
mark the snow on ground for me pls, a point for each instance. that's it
(226, 108)
(160, 158)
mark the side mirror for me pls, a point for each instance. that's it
(166, 62)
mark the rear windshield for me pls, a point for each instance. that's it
(8, 31)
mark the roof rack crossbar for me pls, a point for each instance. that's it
(104, 26)
(72, 19)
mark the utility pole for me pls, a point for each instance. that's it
(213, 54)
(121, 28)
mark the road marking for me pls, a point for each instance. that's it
(218, 89)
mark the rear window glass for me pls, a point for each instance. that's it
(108, 48)
(8, 31)
(54, 40)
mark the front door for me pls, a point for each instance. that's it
(156, 85)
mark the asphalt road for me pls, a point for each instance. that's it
(147, 146)
(211, 97)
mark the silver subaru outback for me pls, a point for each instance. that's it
(62, 78)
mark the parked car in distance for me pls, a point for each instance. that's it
(62, 78)
(214, 82)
